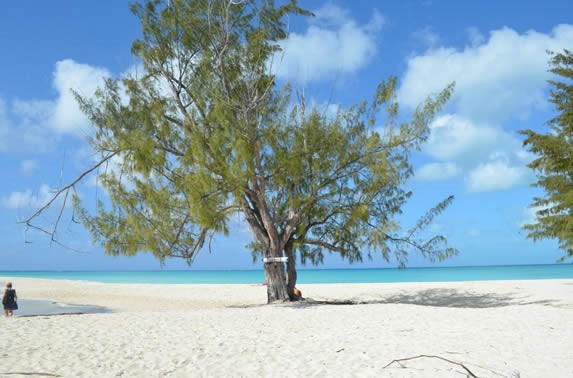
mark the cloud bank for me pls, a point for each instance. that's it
(499, 80)
(503, 76)
(36, 125)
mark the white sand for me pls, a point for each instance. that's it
(494, 328)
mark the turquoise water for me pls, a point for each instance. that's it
(442, 274)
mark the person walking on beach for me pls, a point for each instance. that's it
(9, 300)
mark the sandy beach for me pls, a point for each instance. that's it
(492, 328)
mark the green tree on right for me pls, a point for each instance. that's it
(554, 161)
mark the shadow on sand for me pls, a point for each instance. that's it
(440, 298)
(437, 297)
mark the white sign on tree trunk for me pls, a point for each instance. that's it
(275, 259)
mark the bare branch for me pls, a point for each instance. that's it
(470, 373)
(63, 191)
(67, 187)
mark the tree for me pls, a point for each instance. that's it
(206, 133)
(554, 162)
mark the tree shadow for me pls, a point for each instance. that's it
(437, 297)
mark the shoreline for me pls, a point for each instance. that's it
(182, 296)
(179, 330)
(314, 276)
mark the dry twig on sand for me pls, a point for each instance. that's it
(41, 374)
(470, 373)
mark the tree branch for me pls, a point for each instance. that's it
(322, 244)
(470, 373)
(65, 189)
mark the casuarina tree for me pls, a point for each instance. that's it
(205, 132)
(554, 160)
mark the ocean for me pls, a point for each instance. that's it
(312, 276)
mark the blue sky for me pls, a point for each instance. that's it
(495, 53)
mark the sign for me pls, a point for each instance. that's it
(275, 259)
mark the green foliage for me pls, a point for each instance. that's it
(554, 162)
(339, 179)
(205, 133)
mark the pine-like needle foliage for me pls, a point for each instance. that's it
(204, 133)
(554, 162)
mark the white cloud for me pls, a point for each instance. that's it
(23, 134)
(328, 109)
(502, 77)
(35, 125)
(476, 38)
(461, 140)
(330, 14)
(499, 78)
(437, 171)
(33, 112)
(27, 199)
(82, 78)
(489, 158)
(496, 175)
(529, 215)
(334, 44)
(454, 137)
(27, 167)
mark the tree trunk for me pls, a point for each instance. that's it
(276, 279)
(291, 272)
